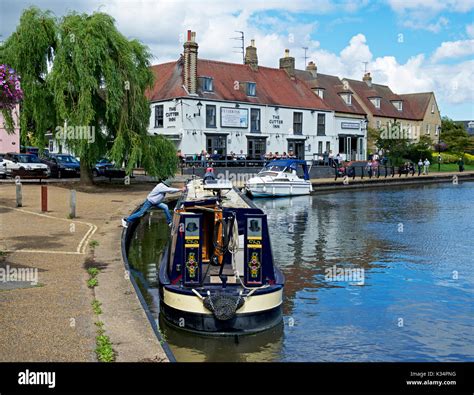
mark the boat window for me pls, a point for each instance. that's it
(268, 173)
(274, 168)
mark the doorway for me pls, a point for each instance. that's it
(256, 148)
(297, 147)
(216, 142)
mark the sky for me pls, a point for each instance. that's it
(410, 45)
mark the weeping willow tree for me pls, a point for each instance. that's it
(92, 80)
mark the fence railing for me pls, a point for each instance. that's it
(375, 172)
(223, 162)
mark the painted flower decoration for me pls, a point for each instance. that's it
(10, 87)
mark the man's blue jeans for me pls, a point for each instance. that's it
(147, 205)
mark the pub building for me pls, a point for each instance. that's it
(225, 107)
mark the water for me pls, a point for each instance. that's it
(416, 302)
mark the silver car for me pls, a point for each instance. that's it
(3, 167)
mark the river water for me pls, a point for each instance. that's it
(371, 275)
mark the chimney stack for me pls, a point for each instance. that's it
(311, 67)
(251, 55)
(287, 63)
(367, 79)
(190, 63)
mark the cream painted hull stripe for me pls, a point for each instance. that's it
(192, 304)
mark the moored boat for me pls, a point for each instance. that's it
(280, 178)
(217, 275)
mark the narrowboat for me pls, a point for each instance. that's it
(217, 275)
(280, 178)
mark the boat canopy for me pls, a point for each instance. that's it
(290, 163)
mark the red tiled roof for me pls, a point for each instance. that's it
(332, 86)
(274, 86)
(387, 109)
(418, 102)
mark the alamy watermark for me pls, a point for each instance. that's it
(395, 132)
(235, 178)
(82, 132)
(24, 274)
(345, 274)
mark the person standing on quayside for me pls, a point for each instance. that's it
(154, 199)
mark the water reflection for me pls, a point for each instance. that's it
(263, 347)
(410, 242)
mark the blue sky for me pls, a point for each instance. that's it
(410, 45)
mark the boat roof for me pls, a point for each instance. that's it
(286, 162)
(232, 199)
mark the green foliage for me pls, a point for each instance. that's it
(421, 150)
(104, 350)
(96, 307)
(450, 167)
(93, 243)
(92, 282)
(28, 50)
(97, 80)
(455, 136)
(399, 148)
(93, 271)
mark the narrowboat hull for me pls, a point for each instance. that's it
(217, 275)
(181, 308)
(179, 311)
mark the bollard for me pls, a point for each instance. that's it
(44, 198)
(72, 204)
(19, 200)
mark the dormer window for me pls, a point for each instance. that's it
(251, 89)
(320, 93)
(375, 101)
(398, 104)
(207, 84)
(347, 97)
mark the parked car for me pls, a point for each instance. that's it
(25, 165)
(107, 169)
(101, 166)
(62, 165)
(3, 167)
(33, 150)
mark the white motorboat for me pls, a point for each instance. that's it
(280, 178)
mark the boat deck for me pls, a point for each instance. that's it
(230, 198)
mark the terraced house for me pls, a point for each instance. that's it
(350, 119)
(417, 113)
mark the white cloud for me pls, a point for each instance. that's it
(434, 5)
(470, 30)
(162, 26)
(423, 14)
(357, 50)
(424, 24)
(453, 49)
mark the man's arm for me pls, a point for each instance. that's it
(166, 189)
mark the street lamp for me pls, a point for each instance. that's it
(199, 106)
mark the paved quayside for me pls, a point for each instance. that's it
(53, 320)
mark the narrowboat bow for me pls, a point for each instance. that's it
(217, 275)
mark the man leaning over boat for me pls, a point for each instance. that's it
(154, 199)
